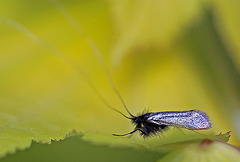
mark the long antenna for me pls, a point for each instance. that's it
(61, 55)
(93, 46)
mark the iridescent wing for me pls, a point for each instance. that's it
(193, 119)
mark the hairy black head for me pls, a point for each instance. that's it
(146, 127)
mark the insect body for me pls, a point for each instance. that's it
(154, 123)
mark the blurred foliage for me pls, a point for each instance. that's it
(74, 147)
(163, 55)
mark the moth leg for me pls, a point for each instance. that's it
(143, 132)
(126, 133)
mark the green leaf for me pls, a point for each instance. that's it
(163, 143)
(223, 136)
(75, 147)
(41, 93)
(206, 151)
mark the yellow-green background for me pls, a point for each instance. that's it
(163, 55)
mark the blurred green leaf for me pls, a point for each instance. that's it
(206, 151)
(228, 23)
(150, 24)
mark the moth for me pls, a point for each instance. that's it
(149, 124)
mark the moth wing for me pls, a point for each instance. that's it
(194, 119)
